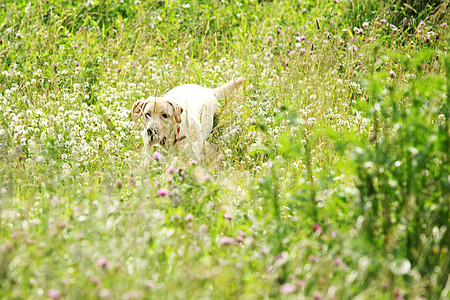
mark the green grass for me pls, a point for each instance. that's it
(329, 178)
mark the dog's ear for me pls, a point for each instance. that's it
(177, 111)
(138, 109)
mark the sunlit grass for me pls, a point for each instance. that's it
(280, 207)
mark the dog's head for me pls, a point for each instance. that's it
(161, 119)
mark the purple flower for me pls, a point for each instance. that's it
(427, 37)
(53, 294)
(162, 192)
(303, 10)
(269, 39)
(228, 216)
(302, 38)
(360, 31)
(170, 170)
(383, 21)
(392, 73)
(119, 70)
(443, 25)
(19, 35)
(420, 31)
(102, 262)
(225, 240)
(207, 177)
(421, 23)
(194, 162)
(157, 156)
(302, 50)
(75, 46)
(287, 288)
(393, 27)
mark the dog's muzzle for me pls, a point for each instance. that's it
(152, 133)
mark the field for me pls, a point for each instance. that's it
(328, 176)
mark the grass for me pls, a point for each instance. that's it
(330, 179)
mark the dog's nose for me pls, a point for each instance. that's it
(150, 131)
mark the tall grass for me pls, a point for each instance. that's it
(327, 178)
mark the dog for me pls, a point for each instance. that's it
(183, 117)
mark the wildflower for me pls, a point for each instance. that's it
(119, 184)
(170, 170)
(239, 239)
(383, 21)
(157, 156)
(303, 10)
(102, 262)
(104, 293)
(392, 73)
(206, 178)
(420, 31)
(90, 3)
(132, 181)
(365, 24)
(162, 192)
(302, 38)
(95, 202)
(317, 296)
(427, 37)
(137, 2)
(278, 30)
(228, 216)
(312, 258)
(444, 25)
(393, 27)
(77, 64)
(421, 23)
(317, 228)
(360, 31)
(119, 70)
(269, 39)
(194, 162)
(19, 35)
(287, 288)
(302, 50)
(189, 217)
(53, 294)
(75, 46)
(225, 240)
(300, 283)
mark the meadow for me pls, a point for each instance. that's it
(329, 177)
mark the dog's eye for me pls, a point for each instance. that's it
(148, 116)
(165, 116)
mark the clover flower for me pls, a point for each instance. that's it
(287, 288)
(162, 192)
(156, 155)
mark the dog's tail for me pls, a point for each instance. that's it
(222, 92)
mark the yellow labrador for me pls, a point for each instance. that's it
(183, 116)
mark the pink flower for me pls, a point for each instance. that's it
(420, 31)
(53, 294)
(162, 192)
(360, 31)
(421, 23)
(75, 46)
(170, 170)
(239, 239)
(189, 217)
(443, 25)
(225, 240)
(77, 64)
(19, 35)
(301, 51)
(317, 296)
(269, 39)
(157, 156)
(303, 10)
(194, 162)
(312, 258)
(427, 37)
(365, 24)
(392, 73)
(132, 181)
(287, 288)
(207, 177)
(119, 70)
(393, 27)
(119, 184)
(383, 21)
(102, 262)
(302, 38)
(228, 216)
(317, 228)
